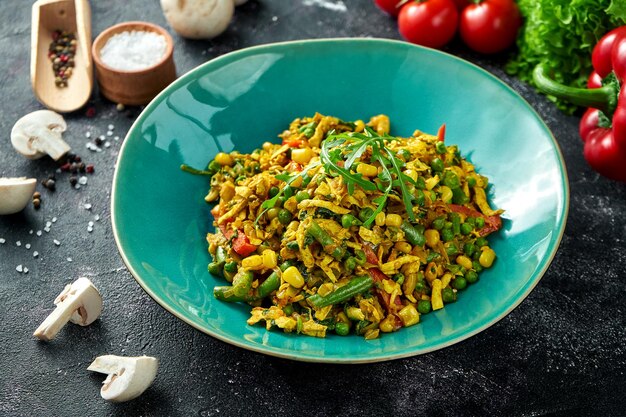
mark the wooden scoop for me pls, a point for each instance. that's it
(72, 16)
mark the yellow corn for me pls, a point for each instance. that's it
(431, 182)
(487, 257)
(435, 297)
(292, 276)
(432, 238)
(464, 261)
(393, 220)
(270, 260)
(359, 126)
(380, 219)
(224, 159)
(302, 156)
(409, 315)
(267, 146)
(404, 247)
(252, 262)
(386, 326)
(367, 170)
(446, 193)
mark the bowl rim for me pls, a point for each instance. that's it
(379, 357)
(109, 32)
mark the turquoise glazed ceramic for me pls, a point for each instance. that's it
(242, 99)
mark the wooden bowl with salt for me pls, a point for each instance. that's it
(133, 74)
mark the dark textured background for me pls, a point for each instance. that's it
(561, 352)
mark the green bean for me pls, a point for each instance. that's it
(287, 264)
(231, 294)
(365, 214)
(239, 291)
(230, 267)
(355, 286)
(217, 266)
(420, 198)
(415, 235)
(329, 245)
(360, 257)
(268, 286)
(293, 245)
(215, 269)
(288, 310)
(350, 263)
(456, 223)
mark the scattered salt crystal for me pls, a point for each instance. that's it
(96, 217)
(2, 240)
(25, 270)
(87, 206)
(30, 232)
(111, 127)
(35, 254)
(46, 229)
(90, 229)
(69, 259)
(116, 138)
(110, 133)
(135, 50)
(82, 180)
(120, 107)
(87, 135)
(107, 144)
(56, 242)
(77, 186)
(48, 224)
(54, 220)
(18, 243)
(38, 232)
(27, 246)
(274, 18)
(58, 170)
(19, 268)
(102, 137)
(90, 224)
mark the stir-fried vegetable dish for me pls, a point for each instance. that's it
(343, 228)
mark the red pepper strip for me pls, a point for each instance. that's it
(293, 143)
(492, 223)
(441, 134)
(370, 255)
(605, 146)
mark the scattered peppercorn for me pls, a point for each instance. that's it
(90, 169)
(91, 112)
(73, 168)
(50, 184)
(36, 203)
(98, 141)
(73, 180)
(61, 53)
(36, 194)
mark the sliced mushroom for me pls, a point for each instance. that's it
(38, 134)
(198, 19)
(128, 377)
(80, 302)
(15, 193)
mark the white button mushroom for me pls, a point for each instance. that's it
(80, 302)
(15, 193)
(39, 133)
(128, 377)
(198, 19)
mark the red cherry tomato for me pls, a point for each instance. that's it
(389, 6)
(429, 23)
(490, 26)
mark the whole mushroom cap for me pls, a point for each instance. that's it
(15, 193)
(198, 19)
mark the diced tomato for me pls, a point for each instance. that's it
(242, 245)
(441, 134)
(492, 223)
(293, 143)
(293, 167)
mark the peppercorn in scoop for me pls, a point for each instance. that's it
(343, 228)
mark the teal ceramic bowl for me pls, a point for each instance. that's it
(244, 98)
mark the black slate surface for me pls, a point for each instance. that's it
(561, 352)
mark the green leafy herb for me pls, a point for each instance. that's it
(561, 35)
(339, 152)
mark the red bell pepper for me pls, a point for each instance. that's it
(241, 244)
(603, 126)
(378, 276)
(492, 223)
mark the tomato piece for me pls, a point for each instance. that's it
(242, 245)
(390, 7)
(215, 211)
(293, 143)
(429, 23)
(490, 26)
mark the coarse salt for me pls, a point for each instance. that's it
(133, 51)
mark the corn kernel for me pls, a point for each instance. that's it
(302, 156)
(393, 220)
(224, 159)
(409, 315)
(270, 260)
(292, 276)
(380, 219)
(487, 257)
(367, 170)
(359, 126)
(404, 247)
(432, 238)
(386, 326)
(431, 182)
(464, 261)
(252, 262)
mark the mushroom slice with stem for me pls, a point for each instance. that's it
(128, 377)
(198, 19)
(80, 302)
(38, 134)
(15, 193)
